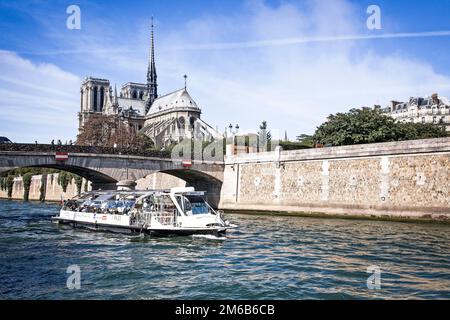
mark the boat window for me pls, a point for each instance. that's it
(180, 202)
(164, 203)
(197, 205)
(187, 204)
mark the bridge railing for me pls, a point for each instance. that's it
(31, 147)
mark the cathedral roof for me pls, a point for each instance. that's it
(177, 99)
(136, 104)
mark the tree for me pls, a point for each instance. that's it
(265, 137)
(305, 140)
(104, 131)
(110, 131)
(412, 131)
(368, 125)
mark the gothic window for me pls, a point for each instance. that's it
(95, 98)
(181, 121)
(102, 98)
(141, 95)
(134, 96)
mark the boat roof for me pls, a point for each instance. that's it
(104, 195)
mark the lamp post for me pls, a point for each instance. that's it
(233, 133)
(121, 119)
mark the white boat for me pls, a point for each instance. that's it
(178, 211)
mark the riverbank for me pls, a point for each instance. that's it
(406, 180)
(346, 216)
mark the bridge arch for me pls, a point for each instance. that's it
(201, 181)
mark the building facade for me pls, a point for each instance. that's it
(434, 109)
(165, 119)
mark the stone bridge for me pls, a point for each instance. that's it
(105, 170)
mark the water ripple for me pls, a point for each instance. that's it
(268, 257)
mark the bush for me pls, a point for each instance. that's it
(289, 145)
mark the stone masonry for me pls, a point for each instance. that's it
(396, 179)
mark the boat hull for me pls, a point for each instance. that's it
(124, 229)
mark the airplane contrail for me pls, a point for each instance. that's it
(254, 44)
(301, 40)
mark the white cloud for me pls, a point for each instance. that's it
(39, 101)
(294, 87)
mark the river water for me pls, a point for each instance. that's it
(268, 257)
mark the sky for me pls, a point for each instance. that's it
(290, 63)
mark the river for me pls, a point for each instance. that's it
(268, 257)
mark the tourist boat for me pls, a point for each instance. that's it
(178, 211)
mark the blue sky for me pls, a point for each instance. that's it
(230, 50)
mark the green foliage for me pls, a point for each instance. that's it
(33, 170)
(6, 184)
(3, 183)
(144, 143)
(78, 183)
(64, 179)
(413, 131)
(42, 188)
(265, 137)
(368, 125)
(306, 139)
(290, 145)
(9, 185)
(26, 180)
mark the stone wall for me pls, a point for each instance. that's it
(400, 179)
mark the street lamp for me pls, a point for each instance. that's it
(233, 132)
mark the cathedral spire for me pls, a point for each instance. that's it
(152, 86)
(115, 102)
(115, 94)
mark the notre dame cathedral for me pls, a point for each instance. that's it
(165, 118)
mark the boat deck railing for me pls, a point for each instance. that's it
(166, 218)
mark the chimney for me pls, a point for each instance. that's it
(434, 98)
